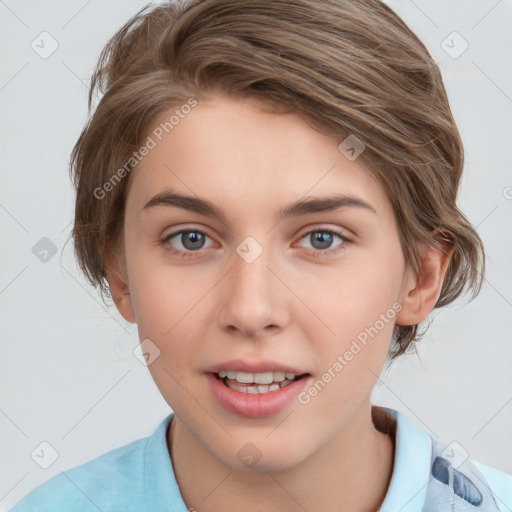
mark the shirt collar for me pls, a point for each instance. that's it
(160, 486)
(411, 472)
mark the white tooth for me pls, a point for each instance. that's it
(245, 378)
(264, 378)
(257, 378)
(263, 388)
(233, 385)
(273, 387)
(252, 390)
(285, 383)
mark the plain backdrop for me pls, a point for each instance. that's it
(68, 374)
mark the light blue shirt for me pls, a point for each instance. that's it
(139, 477)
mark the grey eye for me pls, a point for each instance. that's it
(321, 239)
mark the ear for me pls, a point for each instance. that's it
(420, 293)
(118, 281)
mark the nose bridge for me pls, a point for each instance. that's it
(250, 270)
(253, 300)
(251, 276)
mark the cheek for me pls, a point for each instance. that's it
(359, 306)
(165, 307)
(354, 297)
(163, 295)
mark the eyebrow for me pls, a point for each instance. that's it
(301, 207)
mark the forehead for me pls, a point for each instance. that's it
(233, 153)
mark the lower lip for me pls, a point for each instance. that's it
(255, 405)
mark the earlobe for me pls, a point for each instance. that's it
(119, 288)
(421, 292)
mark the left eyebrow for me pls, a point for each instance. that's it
(297, 208)
(324, 204)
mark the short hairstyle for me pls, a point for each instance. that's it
(347, 67)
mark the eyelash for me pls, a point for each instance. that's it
(316, 252)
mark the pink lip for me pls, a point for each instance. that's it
(257, 405)
(262, 366)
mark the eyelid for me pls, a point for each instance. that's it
(176, 230)
(320, 227)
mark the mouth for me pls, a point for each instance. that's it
(256, 388)
(256, 383)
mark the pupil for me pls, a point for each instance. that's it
(322, 237)
(192, 240)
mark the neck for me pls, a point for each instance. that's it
(351, 472)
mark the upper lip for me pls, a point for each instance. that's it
(261, 366)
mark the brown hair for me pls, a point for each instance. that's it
(348, 67)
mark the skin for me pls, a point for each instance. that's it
(291, 304)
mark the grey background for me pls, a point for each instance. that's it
(67, 369)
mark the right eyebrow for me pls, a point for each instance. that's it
(194, 204)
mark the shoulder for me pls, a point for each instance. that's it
(114, 478)
(467, 482)
(431, 476)
(500, 484)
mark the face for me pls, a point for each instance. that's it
(222, 280)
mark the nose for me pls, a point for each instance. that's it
(254, 299)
